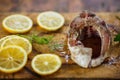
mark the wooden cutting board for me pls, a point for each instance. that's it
(68, 70)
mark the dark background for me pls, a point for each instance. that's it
(59, 5)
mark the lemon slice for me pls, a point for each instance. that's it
(45, 64)
(19, 41)
(4, 38)
(12, 59)
(50, 20)
(17, 23)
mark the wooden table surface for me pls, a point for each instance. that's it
(31, 8)
(68, 70)
(59, 5)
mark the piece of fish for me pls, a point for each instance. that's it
(88, 40)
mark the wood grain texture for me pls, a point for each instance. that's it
(67, 70)
(59, 5)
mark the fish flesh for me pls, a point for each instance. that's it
(88, 40)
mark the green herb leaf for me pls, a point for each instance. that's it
(38, 39)
(117, 38)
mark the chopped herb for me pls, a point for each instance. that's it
(56, 46)
(42, 40)
(117, 17)
(38, 39)
(117, 38)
